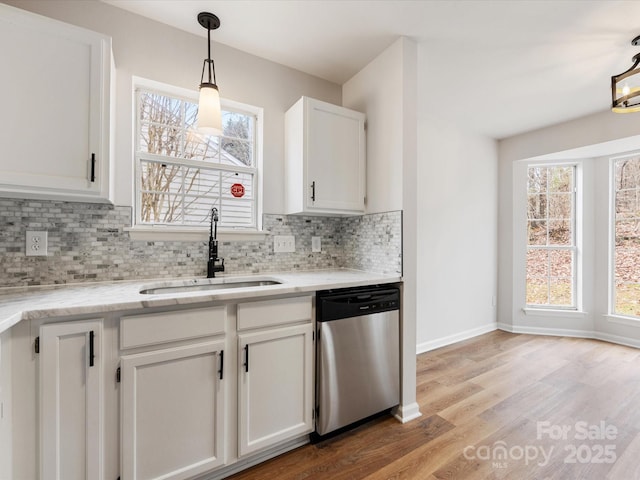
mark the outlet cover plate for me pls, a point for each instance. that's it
(284, 243)
(316, 244)
(36, 243)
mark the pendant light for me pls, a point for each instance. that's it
(209, 113)
(625, 87)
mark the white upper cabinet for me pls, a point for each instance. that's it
(325, 159)
(55, 122)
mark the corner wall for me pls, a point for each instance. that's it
(386, 90)
(457, 184)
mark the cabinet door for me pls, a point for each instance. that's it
(71, 400)
(335, 158)
(173, 412)
(275, 386)
(55, 108)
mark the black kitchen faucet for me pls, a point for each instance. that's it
(212, 268)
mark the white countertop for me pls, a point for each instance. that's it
(25, 303)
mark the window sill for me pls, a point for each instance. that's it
(162, 233)
(622, 320)
(551, 312)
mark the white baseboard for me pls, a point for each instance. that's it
(563, 332)
(607, 337)
(555, 332)
(458, 337)
(406, 413)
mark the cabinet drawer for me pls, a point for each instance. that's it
(274, 312)
(162, 327)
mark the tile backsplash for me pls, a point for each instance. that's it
(88, 243)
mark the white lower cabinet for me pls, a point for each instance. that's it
(275, 386)
(177, 393)
(173, 424)
(71, 400)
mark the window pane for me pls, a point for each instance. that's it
(537, 181)
(537, 263)
(560, 232)
(160, 140)
(160, 109)
(201, 147)
(627, 205)
(560, 205)
(237, 125)
(537, 206)
(560, 263)
(537, 291)
(627, 237)
(537, 231)
(229, 179)
(236, 152)
(560, 292)
(560, 179)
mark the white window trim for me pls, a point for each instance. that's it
(536, 311)
(186, 233)
(577, 308)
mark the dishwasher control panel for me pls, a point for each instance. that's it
(336, 304)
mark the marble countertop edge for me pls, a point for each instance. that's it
(32, 303)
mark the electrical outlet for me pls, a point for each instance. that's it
(36, 243)
(284, 243)
(316, 244)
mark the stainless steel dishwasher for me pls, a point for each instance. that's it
(358, 355)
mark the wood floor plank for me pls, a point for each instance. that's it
(496, 390)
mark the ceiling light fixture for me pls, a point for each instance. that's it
(209, 114)
(625, 87)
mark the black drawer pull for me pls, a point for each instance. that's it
(93, 167)
(92, 355)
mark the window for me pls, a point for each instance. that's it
(181, 174)
(626, 230)
(551, 237)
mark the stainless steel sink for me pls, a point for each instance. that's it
(196, 287)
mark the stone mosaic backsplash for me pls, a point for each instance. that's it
(87, 243)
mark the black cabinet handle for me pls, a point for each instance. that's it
(246, 358)
(93, 167)
(92, 355)
(220, 372)
(313, 191)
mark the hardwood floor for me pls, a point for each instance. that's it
(498, 406)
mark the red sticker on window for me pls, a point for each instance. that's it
(237, 190)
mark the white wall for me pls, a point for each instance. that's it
(152, 50)
(589, 141)
(386, 90)
(377, 90)
(457, 232)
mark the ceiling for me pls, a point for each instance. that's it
(497, 67)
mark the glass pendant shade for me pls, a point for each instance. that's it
(209, 113)
(209, 120)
